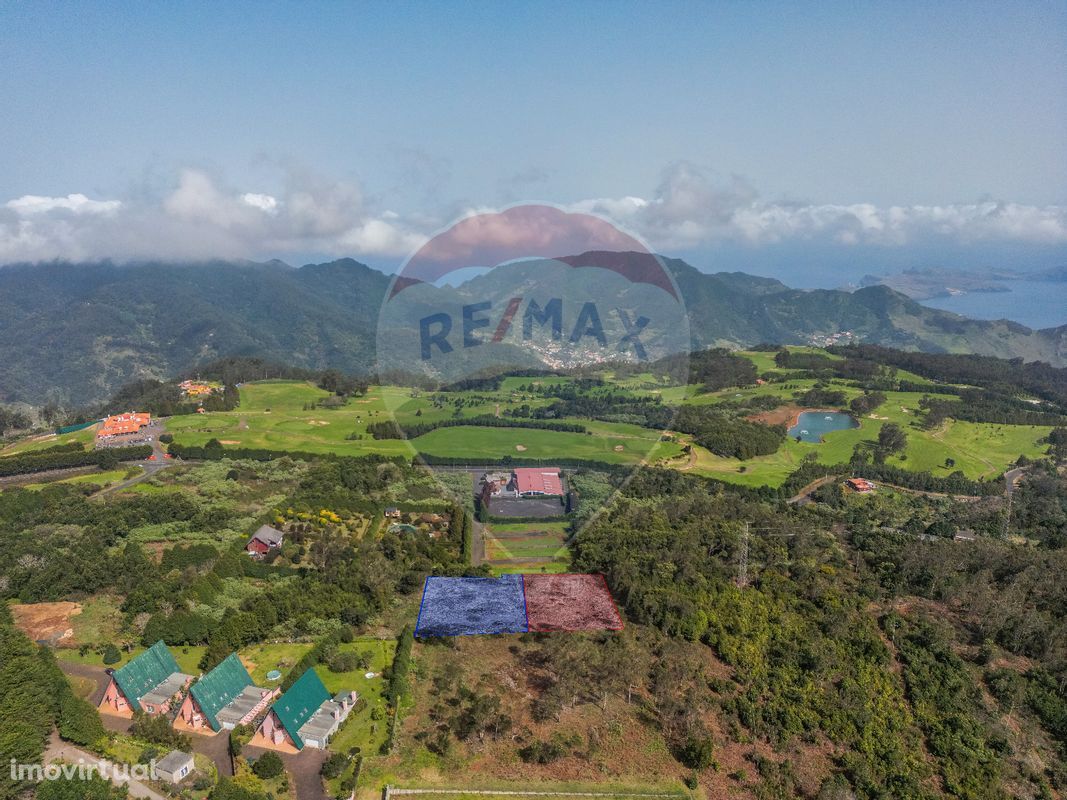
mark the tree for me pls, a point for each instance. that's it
(112, 654)
(79, 722)
(334, 765)
(891, 438)
(269, 765)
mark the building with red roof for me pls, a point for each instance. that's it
(538, 481)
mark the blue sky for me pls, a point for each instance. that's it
(733, 128)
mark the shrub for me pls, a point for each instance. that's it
(112, 654)
(334, 765)
(269, 765)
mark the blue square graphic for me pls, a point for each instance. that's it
(468, 606)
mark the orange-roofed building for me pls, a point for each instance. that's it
(861, 485)
(120, 424)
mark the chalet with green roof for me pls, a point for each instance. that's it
(151, 683)
(223, 699)
(305, 715)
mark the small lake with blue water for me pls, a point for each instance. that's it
(813, 425)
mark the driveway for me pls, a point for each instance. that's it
(304, 768)
(59, 750)
(217, 748)
(95, 674)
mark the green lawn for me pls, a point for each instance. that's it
(44, 441)
(272, 415)
(611, 443)
(99, 479)
(980, 450)
(260, 659)
(361, 729)
(188, 658)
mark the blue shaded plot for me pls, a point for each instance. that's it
(469, 606)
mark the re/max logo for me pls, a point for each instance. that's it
(435, 329)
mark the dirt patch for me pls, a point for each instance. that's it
(242, 424)
(520, 447)
(229, 441)
(783, 415)
(46, 622)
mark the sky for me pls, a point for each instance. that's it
(814, 142)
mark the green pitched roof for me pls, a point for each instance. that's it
(296, 706)
(218, 688)
(145, 673)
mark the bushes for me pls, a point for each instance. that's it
(269, 765)
(42, 462)
(112, 654)
(158, 730)
(398, 672)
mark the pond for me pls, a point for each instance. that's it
(813, 425)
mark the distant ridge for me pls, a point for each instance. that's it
(73, 333)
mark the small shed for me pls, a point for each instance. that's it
(175, 766)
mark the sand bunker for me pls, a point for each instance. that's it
(520, 447)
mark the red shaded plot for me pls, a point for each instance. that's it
(570, 603)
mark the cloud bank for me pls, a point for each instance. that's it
(200, 218)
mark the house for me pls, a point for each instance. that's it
(392, 512)
(223, 699)
(964, 535)
(861, 485)
(538, 482)
(150, 683)
(305, 716)
(264, 540)
(174, 766)
(496, 483)
(123, 424)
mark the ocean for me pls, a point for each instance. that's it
(1036, 304)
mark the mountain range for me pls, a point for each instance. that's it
(73, 333)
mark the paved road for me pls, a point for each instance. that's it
(59, 750)
(150, 469)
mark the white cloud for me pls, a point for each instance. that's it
(201, 217)
(264, 202)
(30, 204)
(689, 209)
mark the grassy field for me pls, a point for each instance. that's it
(262, 658)
(362, 729)
(188, 658)
(608, 442)
(540, 546)
(979, 450)
(280, 415)
(272, 414)
(98, 479)
(44, 441)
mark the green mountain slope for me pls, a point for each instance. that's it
(75, 332)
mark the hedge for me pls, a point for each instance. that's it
(42, 462)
